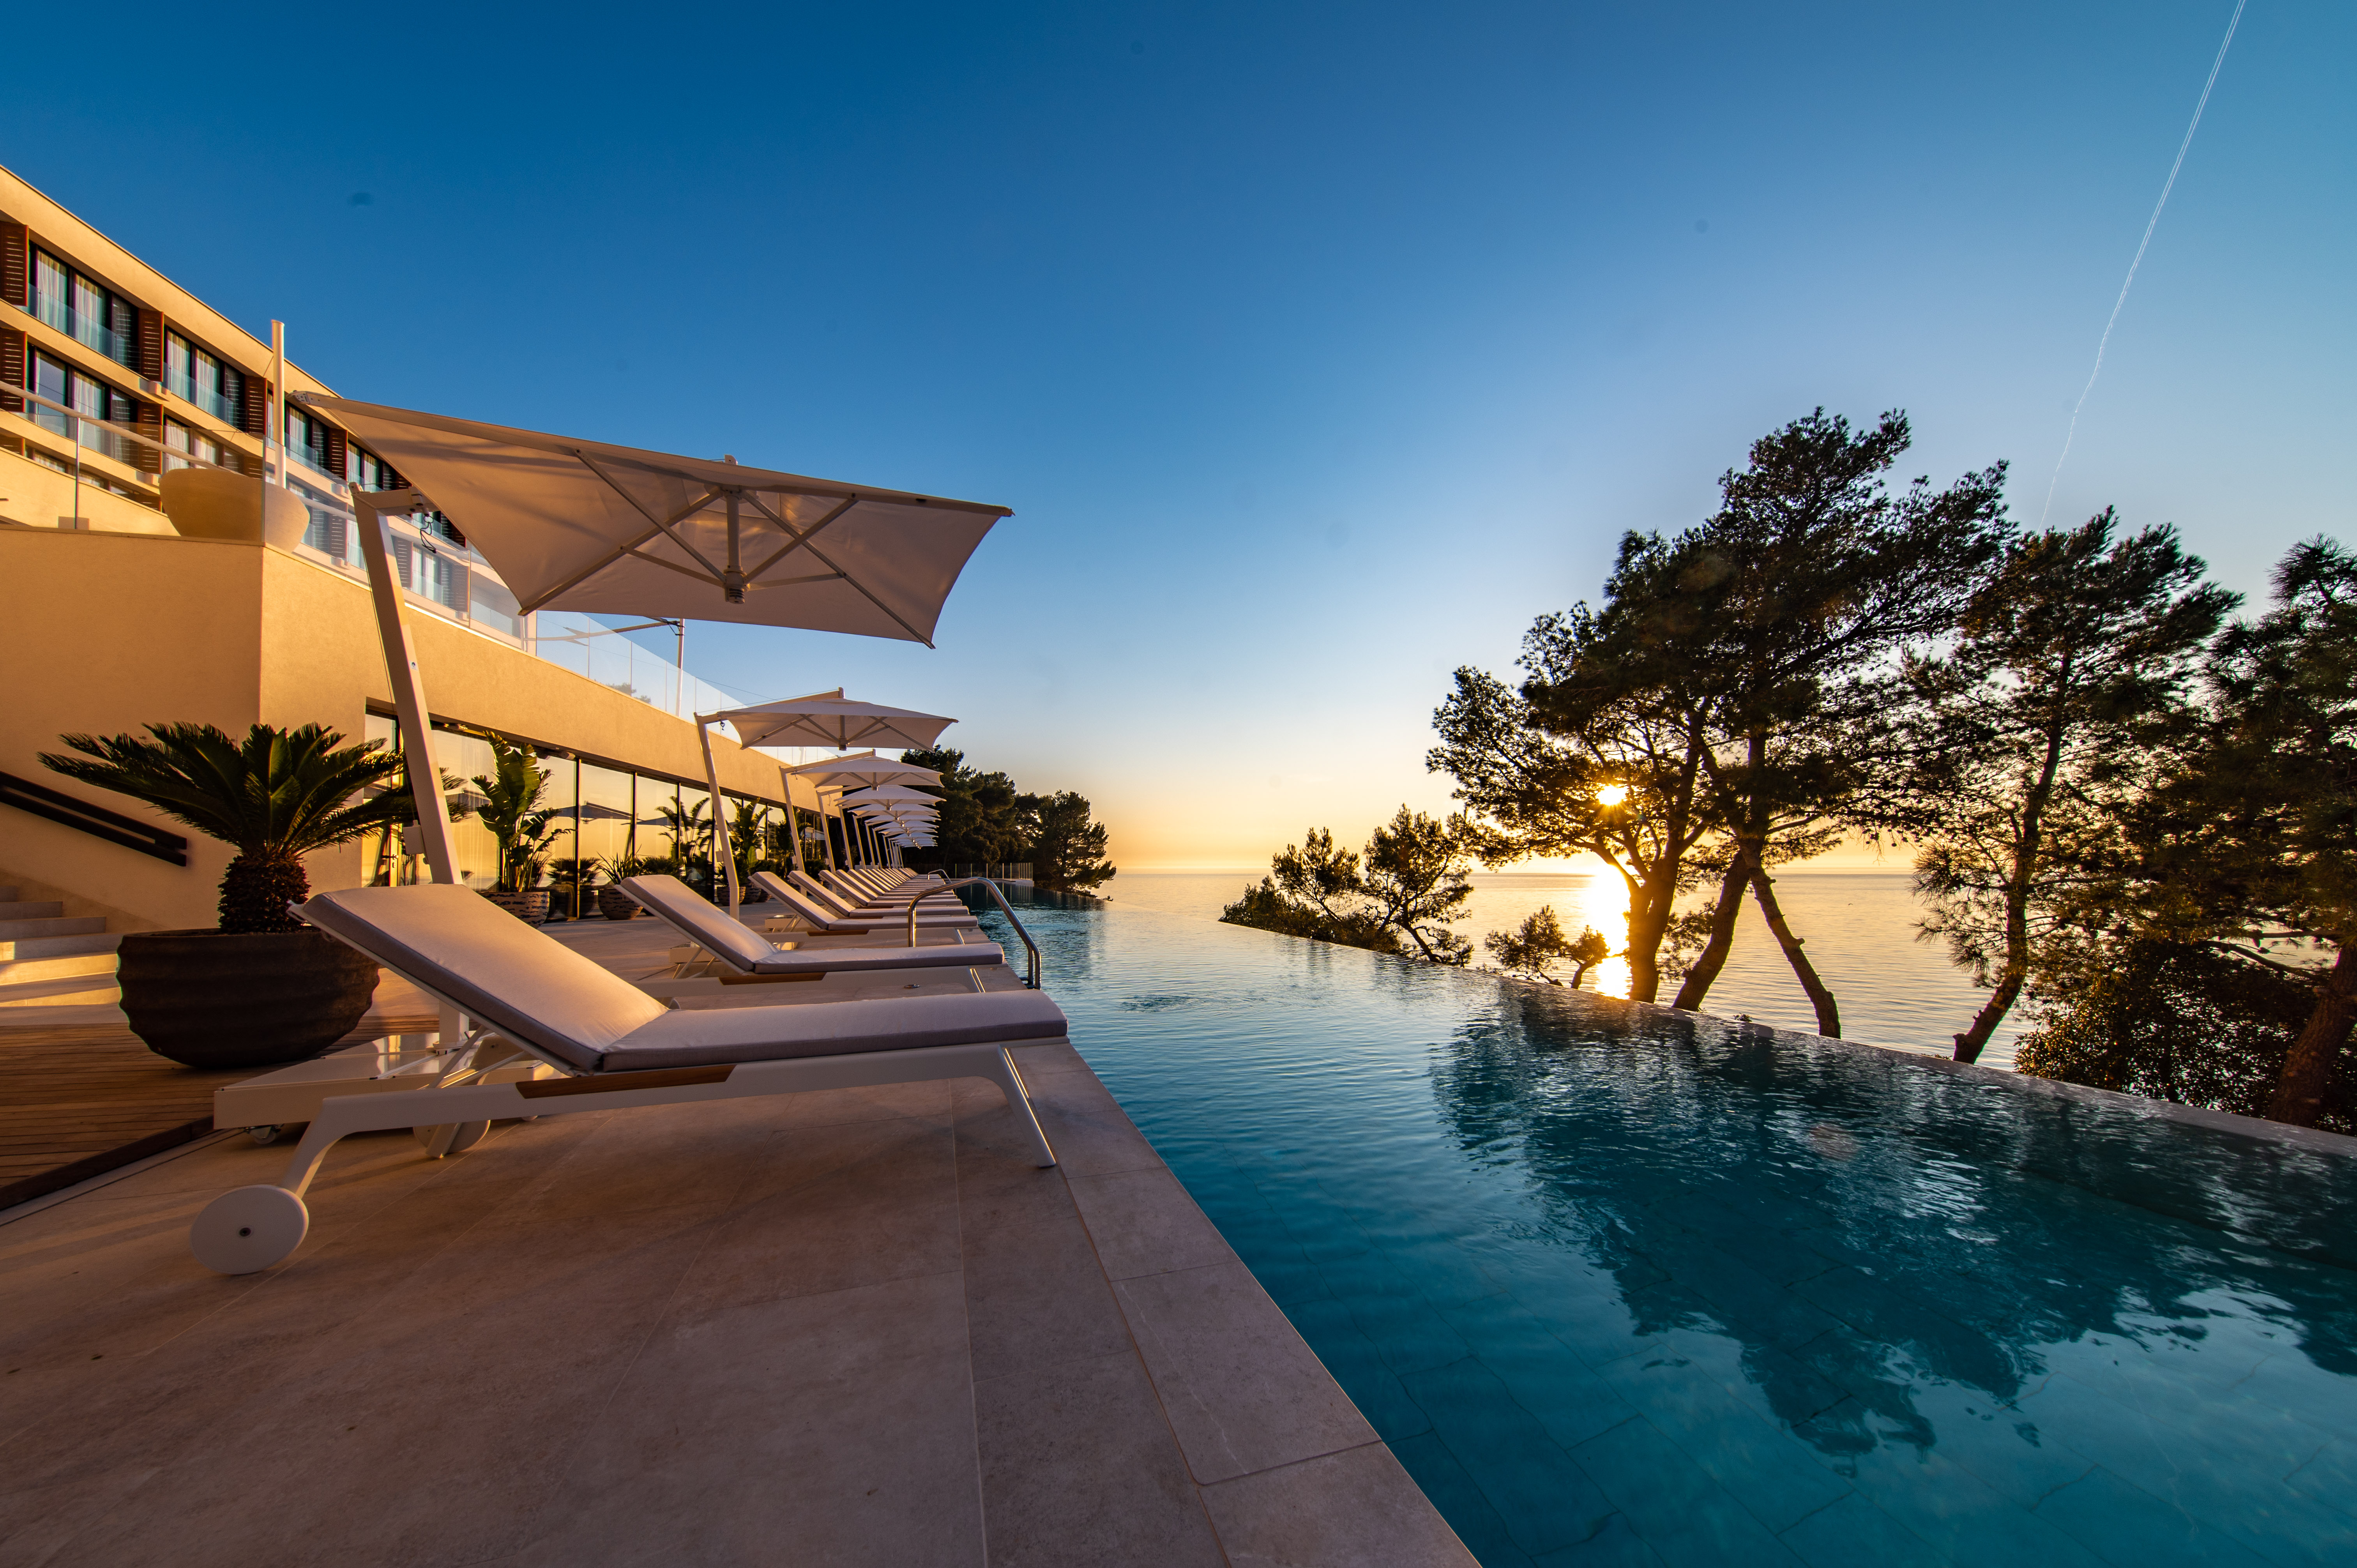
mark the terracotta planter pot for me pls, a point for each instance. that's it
(530, 908)
(615, 904)
(208, 999)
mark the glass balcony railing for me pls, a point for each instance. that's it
(210, 400)
(83, 327)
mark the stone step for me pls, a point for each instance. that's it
(29, 909)
(61, 926)
(85, 964)
(69, 990)
(8, 895)
(57, 947)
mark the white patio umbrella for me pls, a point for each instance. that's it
(837, 774)
(822, 718)
(585, 525)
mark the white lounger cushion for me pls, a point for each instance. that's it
(826, 919)
(688, 913)
(704, 1036)
(456, 944)
(943, 906)
(459, 945)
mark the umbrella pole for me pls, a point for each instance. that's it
(408, 688)
(793, 822)
(825, 831)
(719, 817)
(409, 704)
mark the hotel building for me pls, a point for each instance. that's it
(132, 593)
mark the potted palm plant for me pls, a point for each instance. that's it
(612, 902)
(263, 988)
(511, 796)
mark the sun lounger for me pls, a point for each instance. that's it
(750, 958)
(528, 995)
(855, 888)
(935, 903)
(830, 918)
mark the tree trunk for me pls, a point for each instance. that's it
(1646, 924)
(1821, 999)
(1713, 957)
(2308, 1072)
(2028, 843)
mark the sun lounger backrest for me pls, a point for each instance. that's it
(459, 945)
(825, 896)
(778, 887)
(676, 902)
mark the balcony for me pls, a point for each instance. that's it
(54, 310)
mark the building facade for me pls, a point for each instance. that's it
(117, 390)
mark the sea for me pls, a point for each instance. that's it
(1893, 988)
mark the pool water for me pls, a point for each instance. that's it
(1622, 1285)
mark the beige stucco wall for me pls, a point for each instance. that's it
(102, 633)
(38, 495)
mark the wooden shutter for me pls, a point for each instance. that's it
(15, 281)
(12, 368)
(339, 462)
(150, 349)
(257, 407)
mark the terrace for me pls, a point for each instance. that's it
(1598, 1280)
(844, 1326)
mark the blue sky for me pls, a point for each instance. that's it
(1318, 349)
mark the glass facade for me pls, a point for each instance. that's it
(86, 396)
(602, 814)
(190, 372)
(81, 310)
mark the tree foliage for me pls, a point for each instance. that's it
(1399, 894)
(1538, 945)
(1720, 712)
(2188, 1023)
(2075, 660)
(1067, 848)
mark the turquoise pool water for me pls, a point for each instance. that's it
(1623, 1288)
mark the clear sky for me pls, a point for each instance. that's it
(1317, 349)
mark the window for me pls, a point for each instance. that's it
(81, 310)
(218, 389)
(85, 395)
(178, 437)
(362, 470)
(307, 440)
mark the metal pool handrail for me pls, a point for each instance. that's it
(1032, 982)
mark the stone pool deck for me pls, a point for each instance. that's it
(856, 1327)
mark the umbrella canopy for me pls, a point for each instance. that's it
(865, 767)
(881, 793)
(825, 718)
(582, 525)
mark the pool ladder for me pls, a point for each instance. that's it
(1032, 982)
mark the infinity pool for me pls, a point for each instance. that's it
(1625, 1285)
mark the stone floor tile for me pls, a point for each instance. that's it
(1356, 1508)
(832, 1428)
(1241, 1388)
(1091, 1135)
(468, 1392)
(1036, 1295)
(830, 1207)
(1079, 1470)
(1145, 1222)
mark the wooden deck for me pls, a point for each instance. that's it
(77, 1102)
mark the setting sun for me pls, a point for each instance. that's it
(1612, 794)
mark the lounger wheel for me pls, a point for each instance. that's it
(265, 1134)
(467, 1136)
(248, 1229)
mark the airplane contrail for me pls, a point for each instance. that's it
(2166, 187)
